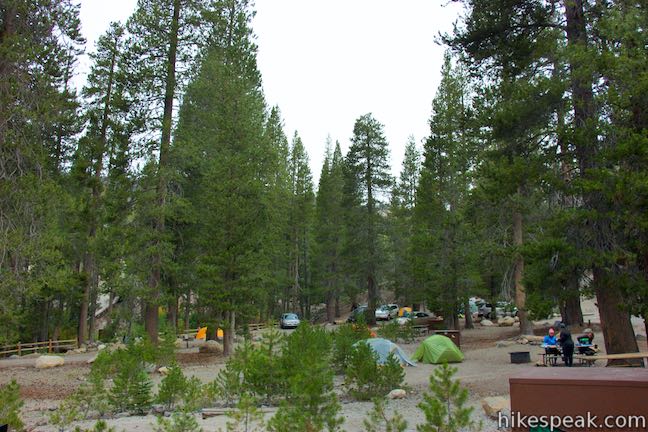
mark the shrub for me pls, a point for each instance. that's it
(10, 405)
(444, 407)
(131, 390)
(100, 426)
(180, 421)
(343, 340)
(310, 404)
(253, 370)
(367, 379)
(246, 417)
(378, 421)
(390, 331)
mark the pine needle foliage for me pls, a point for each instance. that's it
(445, 406)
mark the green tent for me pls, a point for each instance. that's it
(438, 349)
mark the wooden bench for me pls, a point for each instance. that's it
(623, 357)
(549, 359)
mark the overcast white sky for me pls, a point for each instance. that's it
(327, 62)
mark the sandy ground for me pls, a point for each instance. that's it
(485, 372)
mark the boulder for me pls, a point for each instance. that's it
(46, 362)
(487, 323)
(164, 371)
(494, 404)
(523, 341)
(91, 360)
(211, 347)
(101, 347)
(506, 321)
(397, 394)
(14, 356)
(517, 319)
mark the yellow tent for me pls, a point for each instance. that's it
(202, 333)
(403, 310)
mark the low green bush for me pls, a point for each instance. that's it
(343, 340)
(378, 421)
(445, 405)
(366, 379)
(10, 405)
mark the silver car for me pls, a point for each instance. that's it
(289, 320)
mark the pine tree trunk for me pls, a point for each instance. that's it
(338, 312)
(330, 306)
(83, 311)
(151, 314)
(618, 333)
(468, 315)
(617, 328)
(228, 333)
(172, 314)
(571, 311)
(526, 326)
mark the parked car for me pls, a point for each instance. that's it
(355, 313)
(289, 320)
(387, 312)
(418, 318)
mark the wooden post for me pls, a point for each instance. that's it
(49, 347)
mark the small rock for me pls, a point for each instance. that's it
(397, 394)
(91, 360)
(211, 346)
(164, 371)
(487, 323)
(506, 322)
(517, 319)
(101, 347)
(45, 362)
(523, 341)
(14, 356)
(494, 404)
(157, 409)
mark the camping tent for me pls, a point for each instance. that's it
(438, 349)
(383, 347)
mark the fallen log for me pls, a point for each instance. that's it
(214, 412)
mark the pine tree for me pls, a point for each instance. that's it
(155, 58)
(403, 202)
(329, 230)
(441, 241)
(368, 177)
(220, 139)
(300, 219)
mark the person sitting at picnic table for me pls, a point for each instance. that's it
(567, 345)
(549, 342)
(586, 339)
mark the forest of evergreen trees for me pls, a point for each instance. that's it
(168, 186)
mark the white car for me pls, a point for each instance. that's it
(387, 312)
(289, 320)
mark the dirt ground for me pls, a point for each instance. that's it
(485, 372)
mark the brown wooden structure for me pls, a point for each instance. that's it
(601, 392)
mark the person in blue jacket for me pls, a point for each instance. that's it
(550, 342)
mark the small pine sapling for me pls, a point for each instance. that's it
(172, 388)
(378, 421)
(180, 421)
(246, 417)
(140, 393)
(445, 407)
(10, 405)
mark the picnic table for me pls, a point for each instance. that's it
(551, 359)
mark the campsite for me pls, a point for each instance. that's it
(485, 371)
(323, 215)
